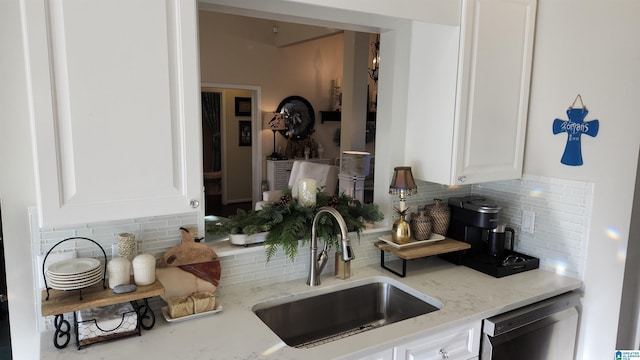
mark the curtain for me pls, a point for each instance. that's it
(211, 114)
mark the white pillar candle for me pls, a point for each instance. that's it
(307, 192)
(119, 271)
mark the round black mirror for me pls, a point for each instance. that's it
(299, 117)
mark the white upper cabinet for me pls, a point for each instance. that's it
(115, 93)
(469, 94)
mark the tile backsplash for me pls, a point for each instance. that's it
(562, 213)
(154, 235)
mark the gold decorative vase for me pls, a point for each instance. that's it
(401, 230)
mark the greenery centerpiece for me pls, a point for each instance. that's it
(288, 221)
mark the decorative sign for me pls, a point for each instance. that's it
(575, 127)
(627, 355)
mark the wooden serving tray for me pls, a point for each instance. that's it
(418, 251)
(429, 249)
(61, 302)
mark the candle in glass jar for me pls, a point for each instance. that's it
(307, 192)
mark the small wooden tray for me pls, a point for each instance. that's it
(165, 313)
(428, 249)
(61, 302)
(412, 242)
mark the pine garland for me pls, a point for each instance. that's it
(287, 221)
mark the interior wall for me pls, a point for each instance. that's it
(582, 47)
(236, 163)
(207, 139)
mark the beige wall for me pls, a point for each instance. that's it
(236, 159)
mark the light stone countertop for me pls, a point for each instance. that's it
(237, 333)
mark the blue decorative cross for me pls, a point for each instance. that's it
(575, 127)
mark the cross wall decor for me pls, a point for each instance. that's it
(575, 127)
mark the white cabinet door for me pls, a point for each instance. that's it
(115, 107)
(469, 92)
(496, 55)
(458, 344)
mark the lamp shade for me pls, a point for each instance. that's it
(273, 121)
(355, 163)
(403, 181)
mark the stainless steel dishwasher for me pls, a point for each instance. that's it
(542, 331)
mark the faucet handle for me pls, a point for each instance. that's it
(322, 260)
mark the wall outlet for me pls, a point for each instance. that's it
(528, 221)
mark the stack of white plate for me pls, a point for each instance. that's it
(74, 274)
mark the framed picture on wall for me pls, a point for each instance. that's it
(243, 106)
(244, 133)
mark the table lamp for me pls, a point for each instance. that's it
(403, 184)
(354, 168)
(274, 122)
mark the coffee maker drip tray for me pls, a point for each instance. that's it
(511, 263)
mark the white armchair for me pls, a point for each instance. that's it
(326, 177)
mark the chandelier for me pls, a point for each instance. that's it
(375, 54)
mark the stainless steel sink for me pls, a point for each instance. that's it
(319, 317)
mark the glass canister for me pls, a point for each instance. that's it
(144, 269)
(440, 217)
(119, 272)
(421, 226)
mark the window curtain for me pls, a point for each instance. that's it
(211, 114)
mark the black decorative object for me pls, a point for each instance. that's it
(44, 262)
(299, 117)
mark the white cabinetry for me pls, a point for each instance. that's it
(114, 90)
(458, 344)
(382, 355)
(471, 129)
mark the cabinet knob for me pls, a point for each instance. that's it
(444, 354)
(462, 178)
(194, 203)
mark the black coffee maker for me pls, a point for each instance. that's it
(474, 220)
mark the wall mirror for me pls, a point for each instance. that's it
(299, 117)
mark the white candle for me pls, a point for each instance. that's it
(307, 192)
